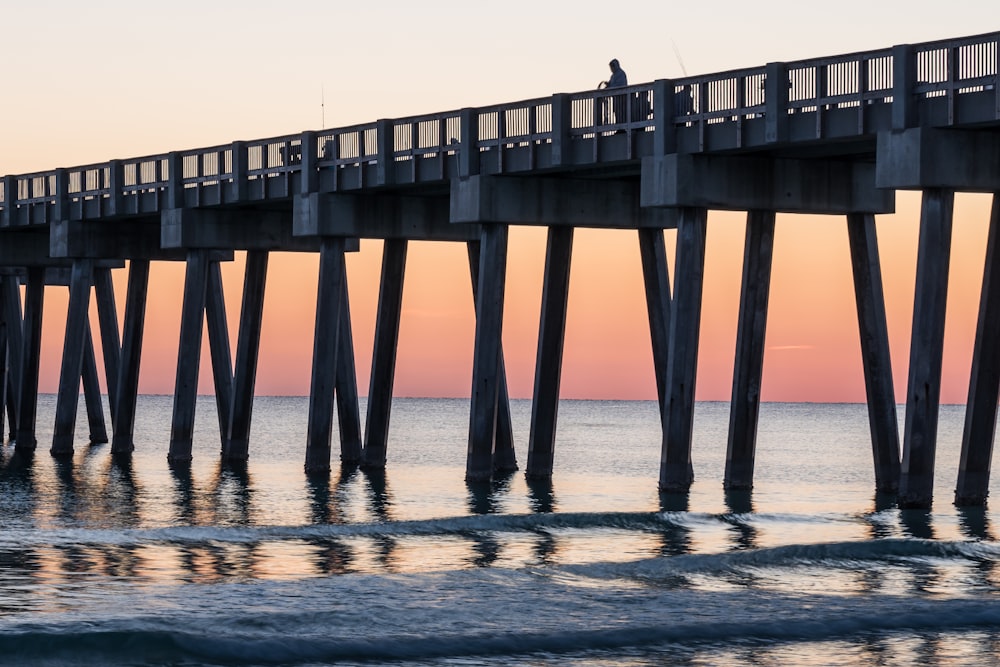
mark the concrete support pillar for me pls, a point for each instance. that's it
(218, 345)
(676, 472)
(15, 348)
(656, 278)
(504, 456)
(127, 382)
(188, 357)
(4, 374)
(984, 386)
(92, 390)
(916, 484)
(77, 321)
(749, 365)
(324, 369)
(28, 393)
(247, 347)
(346, 392)
(486, 356)
(107, 318)
(875, 350)
(548, 361)
(390, 304)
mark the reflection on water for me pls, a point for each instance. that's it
(99, 493)
(81, 531)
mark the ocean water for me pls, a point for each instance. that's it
(135, 563)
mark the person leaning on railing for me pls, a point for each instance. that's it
(618, 80)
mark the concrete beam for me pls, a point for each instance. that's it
(553, 202)
(89, 239)
(231, 229)
(378, 216)
(918, 158)
(27, 248)
(767, 184)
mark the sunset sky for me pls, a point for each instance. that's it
(88, 82)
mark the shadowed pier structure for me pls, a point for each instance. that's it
(835, 136)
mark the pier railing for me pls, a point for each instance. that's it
(947, 68)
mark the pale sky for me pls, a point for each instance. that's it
(88, 82)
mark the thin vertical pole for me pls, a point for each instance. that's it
(346, 393)
(28, 395)
(748, 368)
(984, 386)
(656, 279)
(68, 397)
(390, 303)
(127, 383)
(324, 369)
(875, 350)
(504, 456)
(188, 357)
(676, 472)
(92, 390)
(218, 345)
(486, 355)
(548, 360)
(247, 348)
(916, 483)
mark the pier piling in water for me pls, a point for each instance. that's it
(749, 364)
(874, 332)
(973, 483)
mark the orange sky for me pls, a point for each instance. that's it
(813, 353)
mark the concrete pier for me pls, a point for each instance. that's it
(218, 346)
(874, 331)
(656, 280)
(799, 144)
(390, 308)
(486, 356)
(676, 471)
(504, 456)
(325, 343)
(973, 483)
(247, 346)
(28, 391)
(127, 383)
(548, 361)
(923, 389)
(188, 356)
(749, 364)
(77, 323)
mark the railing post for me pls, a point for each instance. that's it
(310, 156)
(175, 180)
(664, 110)
(61, 210)
(996, 79)
(116, 181)
(775, 102)
(468, 157)
(240, 171)
(904, 79)
(386, 149)
(562, 122)
(9, 200)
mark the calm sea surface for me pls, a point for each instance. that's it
(135, 563)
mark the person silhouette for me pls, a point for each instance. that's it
(618, 77)
(618, 80)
